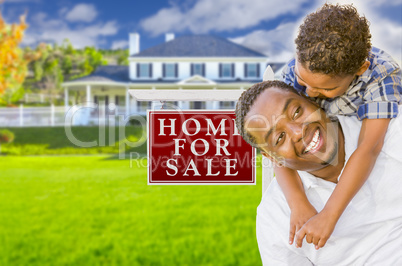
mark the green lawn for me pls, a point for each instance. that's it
(93, 210)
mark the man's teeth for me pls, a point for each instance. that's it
(314, 142)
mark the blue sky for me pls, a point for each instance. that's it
(264, 25)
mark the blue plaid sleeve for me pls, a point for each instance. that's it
(382, 96)
(289, 77)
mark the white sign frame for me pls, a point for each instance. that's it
(202, 95)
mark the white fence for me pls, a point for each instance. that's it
(39, 97)
(56, 115)
(87, 114)
(32, 116)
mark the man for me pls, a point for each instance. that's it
(291, 130)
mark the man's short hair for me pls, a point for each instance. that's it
(247, 100)
(334, 40)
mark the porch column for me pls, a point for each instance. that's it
(127, 102)
(154, 104)
(209, 105)
(215, 104)
(183, 105)
(66, 96)
(180, 105)
(88, 93)
(87, 117)
(66, 99)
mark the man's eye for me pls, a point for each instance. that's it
(280, 138)
(296, 113)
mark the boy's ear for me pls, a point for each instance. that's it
(363, 68)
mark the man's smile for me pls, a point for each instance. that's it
(315, 143)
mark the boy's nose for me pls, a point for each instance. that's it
(311, 92)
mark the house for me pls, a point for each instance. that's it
(186, 62)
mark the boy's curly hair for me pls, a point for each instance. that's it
(334, 40)
(246, 101)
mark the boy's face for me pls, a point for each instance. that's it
(321, 85)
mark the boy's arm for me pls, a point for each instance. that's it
(292, 188)
(371, 139)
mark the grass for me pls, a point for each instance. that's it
(54, 140)
(99, 211)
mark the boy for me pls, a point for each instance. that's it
(338, 68)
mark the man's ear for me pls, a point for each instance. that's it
(363, 68)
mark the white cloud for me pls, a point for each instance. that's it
(120, 44)
(63, 11)
(386, 33)
(82, 12)
(279, 43)
(217, 15)
(44, 29)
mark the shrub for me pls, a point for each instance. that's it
(6, 136)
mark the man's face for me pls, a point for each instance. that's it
(294, 130)
(321, 85)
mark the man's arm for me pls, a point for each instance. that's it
(292, 187)
(371, 139)
(272, 213)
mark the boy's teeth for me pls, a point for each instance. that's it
(314, 142)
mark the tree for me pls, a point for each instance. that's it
(62, 62)
(13, 60)
(122, 58)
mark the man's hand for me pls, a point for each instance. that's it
(298, 217)
(317, 230)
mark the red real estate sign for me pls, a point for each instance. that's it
(197, 147)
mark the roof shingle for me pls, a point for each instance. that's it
(198, 46)
(108, 74)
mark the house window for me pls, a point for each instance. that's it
(252, 70)
(197, 105)
(169, 70)
(144, 70)
(171, 105)
(227, 105)
(226, 70)
(120, 100)
(104, 100)
(198, 69)
(143, 106)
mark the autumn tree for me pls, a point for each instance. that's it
(13, 59)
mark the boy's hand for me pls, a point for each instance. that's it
(298, 217)
(317, 230)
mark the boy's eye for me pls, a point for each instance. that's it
(280, 137)
(297, 112)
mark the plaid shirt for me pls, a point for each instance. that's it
(374, 94)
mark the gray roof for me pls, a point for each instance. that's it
(108, 74)
(120, 74)
(198, 46)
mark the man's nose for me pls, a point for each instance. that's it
(311, 92)
(295, 131)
